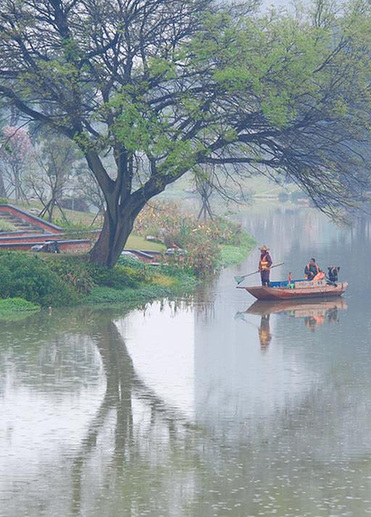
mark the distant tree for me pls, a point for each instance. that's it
(15, 159)
(205, 188)
(56, 157)
(166, 85)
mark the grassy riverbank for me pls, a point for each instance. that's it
(29, 281)
(200, 249)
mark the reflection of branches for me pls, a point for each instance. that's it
(123, 384)
(204, 300)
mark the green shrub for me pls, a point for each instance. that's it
(17, 305)
(140, 271)
(202, 255)
(82, 274)
(169, 224)
(75, 270)
(117, 277)
(201, 239)
(27, 276)
(143, 294)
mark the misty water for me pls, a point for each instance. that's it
(210, 406)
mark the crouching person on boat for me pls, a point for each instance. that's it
(265, 263)
(312, 271)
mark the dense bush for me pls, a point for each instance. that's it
(18, 305)
(27, 276)
(118, 277)
(169, 224)
(201, 240)
(202, 255)
(74, 270)
(82, 274)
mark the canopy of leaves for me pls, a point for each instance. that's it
(168, 85)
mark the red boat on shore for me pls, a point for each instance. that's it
(296, 290)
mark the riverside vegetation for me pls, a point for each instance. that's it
(45, 280)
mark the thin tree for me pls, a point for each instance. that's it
(165, 85)
(205, 189)
(57, 157)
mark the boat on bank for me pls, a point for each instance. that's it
(300, 289)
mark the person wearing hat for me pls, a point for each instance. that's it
(265, 263)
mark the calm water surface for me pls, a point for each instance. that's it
(209, 407)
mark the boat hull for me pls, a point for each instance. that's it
(283, 293)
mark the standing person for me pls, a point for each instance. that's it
(311, 270)
(265, 263)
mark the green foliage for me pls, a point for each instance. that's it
(74, 270)
(118, 277)
(201, 240)
(27, 276)
(110, 295)
(202, 255)
(286, 93)
(142, 294)
(83, 275)
(230, 255)
(134, 264)
(168, 223)
(10, 305)
(4, 201)
(64, 280)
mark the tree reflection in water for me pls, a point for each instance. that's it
(141, 419)
(140, 456)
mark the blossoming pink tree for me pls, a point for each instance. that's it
(15, 159)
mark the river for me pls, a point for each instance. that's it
(204, 407)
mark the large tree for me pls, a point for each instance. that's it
(166, 85)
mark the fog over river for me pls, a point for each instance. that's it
(210, 406)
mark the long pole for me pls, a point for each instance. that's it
(240, 279)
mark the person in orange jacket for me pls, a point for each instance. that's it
(265, 263)
(311, 270)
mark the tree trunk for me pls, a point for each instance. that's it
(118, 224)
(2, 186)
(122, 207)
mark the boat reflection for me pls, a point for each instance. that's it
(314, 312)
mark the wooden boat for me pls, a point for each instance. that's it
(301, 289)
